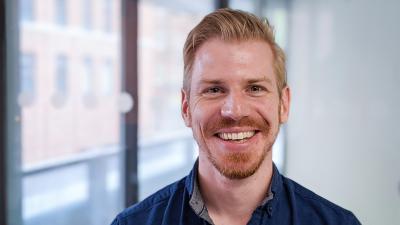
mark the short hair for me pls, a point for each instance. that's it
(232, 25)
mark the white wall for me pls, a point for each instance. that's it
(344, 128)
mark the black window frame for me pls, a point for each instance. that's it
(10, 189)
(3, 165)
(130, 85)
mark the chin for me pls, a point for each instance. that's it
(238, 165)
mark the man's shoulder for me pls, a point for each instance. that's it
(304, 194)
(153, 206)
(309, 203)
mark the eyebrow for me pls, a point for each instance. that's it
(210, 81)
(264, 79)
(249, 81)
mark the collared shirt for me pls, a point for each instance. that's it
(287, 203)
(199, 207)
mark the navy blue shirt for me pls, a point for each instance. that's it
(287, 203)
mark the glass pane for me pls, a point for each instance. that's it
(26, 10)
(71, 133)
(166, 147)
(60, 12)
(27, 78)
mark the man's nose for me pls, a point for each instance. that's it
(234, 107)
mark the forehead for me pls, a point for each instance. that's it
(217, 59)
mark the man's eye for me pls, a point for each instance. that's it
(255, 88)
(213, 90)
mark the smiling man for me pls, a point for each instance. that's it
(234, 98)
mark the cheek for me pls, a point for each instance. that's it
(268, 110)
(199, 114)
(203, 115)
(203, 109)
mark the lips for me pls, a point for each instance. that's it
(243, 132)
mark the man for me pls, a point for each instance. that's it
(234, 98)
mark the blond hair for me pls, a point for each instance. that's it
(232, 25)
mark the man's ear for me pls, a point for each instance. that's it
(185, 111)
(284, 105)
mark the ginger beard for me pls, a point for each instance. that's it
(240, 165)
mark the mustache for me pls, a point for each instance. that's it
(244, 122)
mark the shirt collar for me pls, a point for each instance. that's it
(197, 204)
(196, 200)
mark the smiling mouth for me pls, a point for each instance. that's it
(236, 136)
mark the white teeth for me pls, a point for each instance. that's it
(236, 136)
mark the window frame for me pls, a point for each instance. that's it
(129, 52)
(11, 188)
(3, 69)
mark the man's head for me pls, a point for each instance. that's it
(235, 95)
(232, 25)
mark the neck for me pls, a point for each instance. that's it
(233, 201)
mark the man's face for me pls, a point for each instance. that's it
(233, 107)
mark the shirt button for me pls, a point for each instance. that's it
(269, 209)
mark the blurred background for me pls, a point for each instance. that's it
(90, 116)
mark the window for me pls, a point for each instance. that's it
(88, 81)
(76, 165)
(61, 12)
(61, 75)
(107, 78)
(27, 71)
(87, 14)
(65, 164)
(27, 74)
(60, 81)
(26, 10)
